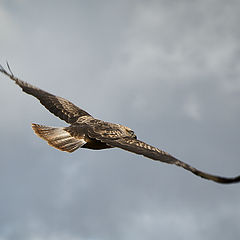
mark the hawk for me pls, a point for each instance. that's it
(85, 131)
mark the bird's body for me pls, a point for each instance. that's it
(86, 131)
(82, 131)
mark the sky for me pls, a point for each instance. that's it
(169, 70)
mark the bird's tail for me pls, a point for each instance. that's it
(58, 137)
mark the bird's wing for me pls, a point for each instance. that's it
(60, 107)
(139, 147)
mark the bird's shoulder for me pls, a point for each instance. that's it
(97, 128)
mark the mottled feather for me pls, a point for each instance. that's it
(139, 147)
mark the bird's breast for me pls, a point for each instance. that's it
(94, 144)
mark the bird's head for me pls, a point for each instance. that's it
(131, 132)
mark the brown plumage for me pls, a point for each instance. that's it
(87, 132)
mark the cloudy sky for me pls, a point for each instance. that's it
(170, 70)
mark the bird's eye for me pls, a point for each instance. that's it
(132, 133)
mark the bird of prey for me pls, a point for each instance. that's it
(85, 131)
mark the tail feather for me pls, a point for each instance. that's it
(58, 137)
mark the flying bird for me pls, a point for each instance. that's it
(85, 131)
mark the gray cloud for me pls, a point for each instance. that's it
(167, 69)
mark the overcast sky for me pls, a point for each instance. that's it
(170, 70)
